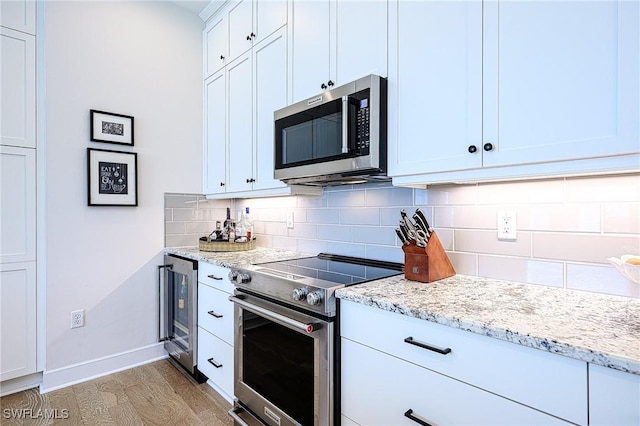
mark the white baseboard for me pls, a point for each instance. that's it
(82, 372)
(20, 383)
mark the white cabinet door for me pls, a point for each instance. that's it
(19, 15)
(215, 154)
(17, 204)
(240, 18)
(561, 80)
(435, 86)
(240, 137)
(379, 389)
(17, 319)
(269, 16)
(18, 88)
(215, 45)
(360, 40)
(311, 36)
(614, 397)
(270, 94)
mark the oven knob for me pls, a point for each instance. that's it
(244, 278)
(314, 298)
(233, 274)
(300, 294)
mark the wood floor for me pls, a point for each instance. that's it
(154, 394)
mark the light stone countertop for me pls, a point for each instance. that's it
(596, 328)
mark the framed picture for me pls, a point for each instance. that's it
(112, 178)
(111, 128)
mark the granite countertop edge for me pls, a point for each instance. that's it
(396, 294)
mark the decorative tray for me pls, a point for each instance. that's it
(205, 244)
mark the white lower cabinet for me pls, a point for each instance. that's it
(215, 360)
(379, 389)
(215, 328)
(614, 397)
(477, 380)
(17, 319)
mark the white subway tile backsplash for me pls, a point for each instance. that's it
(323, 216)
(604, 189)
(385, 197)
(464, 263)
(521, 192)
(345, 199)
(521, 270)
(581, 247)
(600, 279)
(561, 218)
(486, 242)
(384, 235)
(173, 228)
(621, 218)
(361, 216)
(567, 227)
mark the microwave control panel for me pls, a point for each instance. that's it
(363, 122)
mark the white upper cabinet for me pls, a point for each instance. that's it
(215, 132)
(435, 84)
(251, 21)
(215, 45)
(311, 48)
(269, 94)
(18, 88)
(335, 42)
(511, 89)
(360, 40)
(19, 15)
(239, 145)
(560, 80)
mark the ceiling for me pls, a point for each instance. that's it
(194, 6)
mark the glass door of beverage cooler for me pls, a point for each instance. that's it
(179, 310)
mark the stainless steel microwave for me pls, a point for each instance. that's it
(339, 136)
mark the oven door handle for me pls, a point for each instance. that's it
(308, 327)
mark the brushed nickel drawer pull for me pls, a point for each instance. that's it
(442, 351)
(215, 364)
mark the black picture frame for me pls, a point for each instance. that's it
(110, 127)
(112, 178)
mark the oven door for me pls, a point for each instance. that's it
(284, 363)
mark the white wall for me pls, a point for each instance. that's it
(135, 58)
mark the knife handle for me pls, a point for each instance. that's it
(421, 219)
(401, 236)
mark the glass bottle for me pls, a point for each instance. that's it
(248, 223)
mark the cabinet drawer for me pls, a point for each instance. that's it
(548, 382)
(212, 350)
(614, 397)
(215, 312)
(378, 389)
(215, 276)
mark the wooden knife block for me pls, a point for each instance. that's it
(426, 264)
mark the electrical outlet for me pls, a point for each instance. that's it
(290, 219)
(77, 318)
(507, 226)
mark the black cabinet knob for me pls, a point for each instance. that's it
(253, 35)
(222, 57)
(251, 180)
(488, 146)
(323, 86)
(249, 38)
(472, 149)
(330, 83)
(221, 183)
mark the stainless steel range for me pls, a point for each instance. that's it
(286, 337)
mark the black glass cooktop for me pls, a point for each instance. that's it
(337, 269)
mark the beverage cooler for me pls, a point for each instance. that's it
(178, 307)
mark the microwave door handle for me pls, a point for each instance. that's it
(345, 124)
